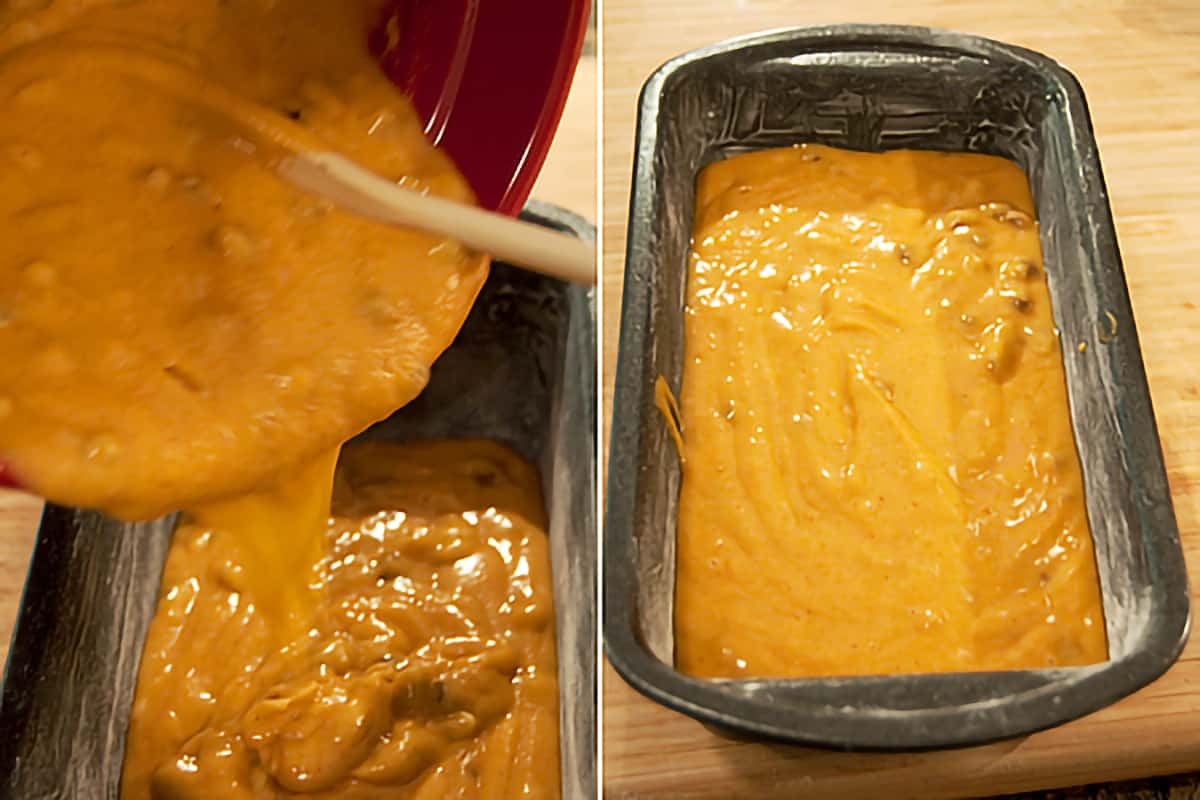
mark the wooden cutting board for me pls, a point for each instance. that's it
(1139, 63)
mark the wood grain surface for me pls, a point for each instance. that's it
(568, 179)
(1139, 63)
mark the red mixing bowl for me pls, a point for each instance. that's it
(490, 78)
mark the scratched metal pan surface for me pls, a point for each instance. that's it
(522, 372)
(870, 87)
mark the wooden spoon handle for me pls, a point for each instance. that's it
(362, 192)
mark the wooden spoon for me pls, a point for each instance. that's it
(360, 191)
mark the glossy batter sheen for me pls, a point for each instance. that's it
(880, 475)
(177, 323)
(427, 670)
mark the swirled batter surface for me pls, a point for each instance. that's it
(881, 475)
(425, 670)
(177, 323)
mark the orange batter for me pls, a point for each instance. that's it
(881, 475)
(177, 323)
(180, 328)
(427, 672)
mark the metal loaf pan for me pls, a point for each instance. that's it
(522, 372)
(870, 87)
